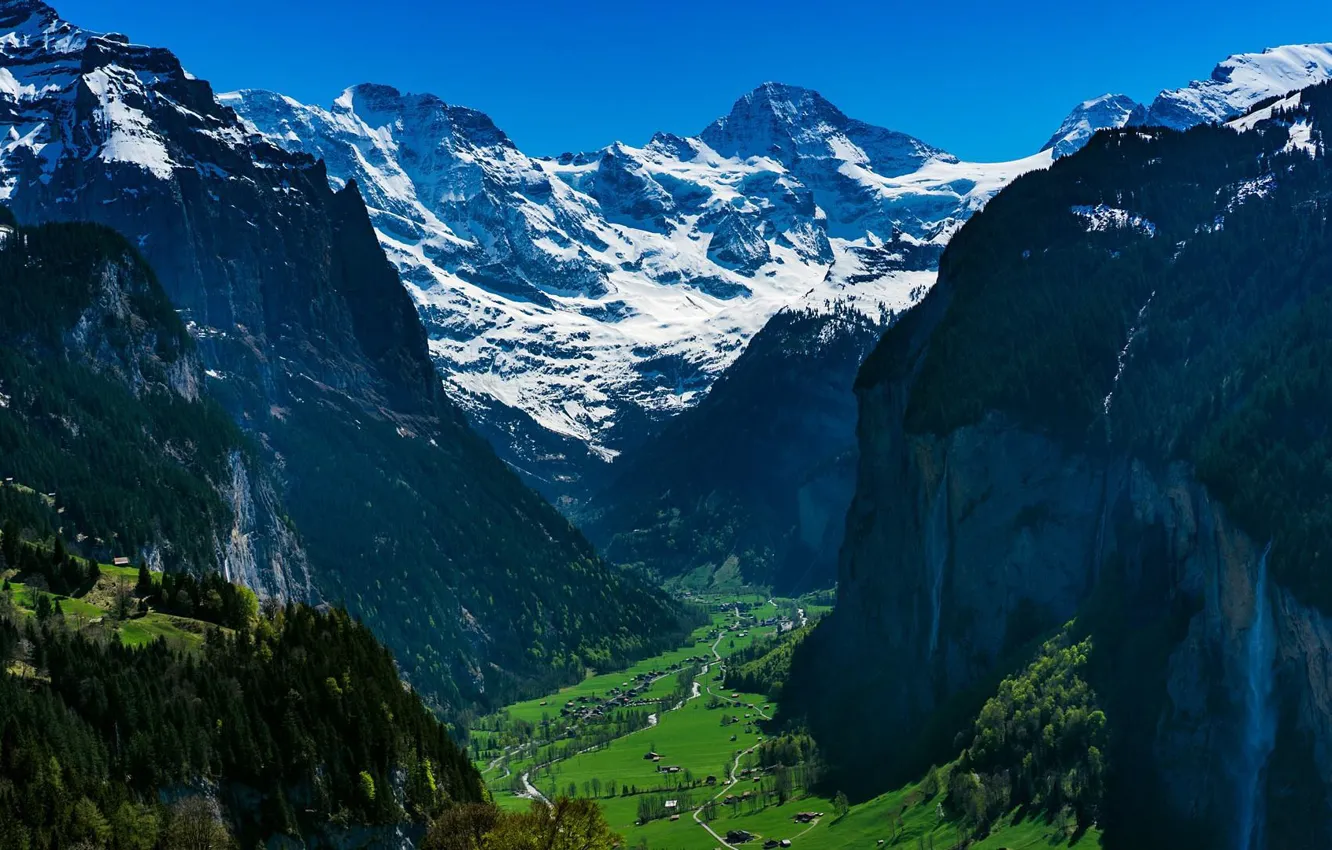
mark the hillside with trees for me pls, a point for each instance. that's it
(292, 724)
(113, 433)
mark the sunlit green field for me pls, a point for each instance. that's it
(134, 632)
(691, 738)
(903, 817)
(694, 739)
(532, 710)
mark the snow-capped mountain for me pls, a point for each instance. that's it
(1108, 111)
(566, 297)
(1236, 85)
(594, 289)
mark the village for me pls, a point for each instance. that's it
(674, 776)
(631, 694)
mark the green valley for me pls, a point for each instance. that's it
(680, 755)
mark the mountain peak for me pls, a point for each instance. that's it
(372, 92)
(773, 112)
(1237, 83)
(22, 10)
(32, 24)
(792, 124)
(1099, 113)
(1294, 64)
(785, 98)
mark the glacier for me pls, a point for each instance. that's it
(581, 292)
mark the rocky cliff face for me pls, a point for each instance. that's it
(1009, 483)
(961, 549)
(312, 344)
(93, 349)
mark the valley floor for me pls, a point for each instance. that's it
(718, 794)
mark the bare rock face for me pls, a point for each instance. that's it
(1002, 534)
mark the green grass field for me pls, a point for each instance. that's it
(694, 739)
(80, 613)
(73, 608)
(691, 737)
(549, 705)
(150, 627)
(907, 817)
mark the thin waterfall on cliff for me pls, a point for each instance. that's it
(936, 554)
(1258, 729)
(1123, 361)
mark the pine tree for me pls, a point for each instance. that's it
(145, 586)
(9, 547)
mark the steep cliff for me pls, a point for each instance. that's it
(1112, 407)
(104, 407)
(311, 343)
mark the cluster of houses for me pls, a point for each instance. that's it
(630, 695)
(744, 836)
(661, 768)
(781, 624)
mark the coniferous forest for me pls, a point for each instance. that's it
(295, 721)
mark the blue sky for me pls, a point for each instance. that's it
(985, 80)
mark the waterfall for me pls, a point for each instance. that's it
(936, 554)
(1123, 361)
(1258, 730)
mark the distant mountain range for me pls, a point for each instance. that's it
(577, 295)
(573, 301)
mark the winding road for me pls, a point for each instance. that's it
(731, 780)
(531, 792)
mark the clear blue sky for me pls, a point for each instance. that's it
(985, 79)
